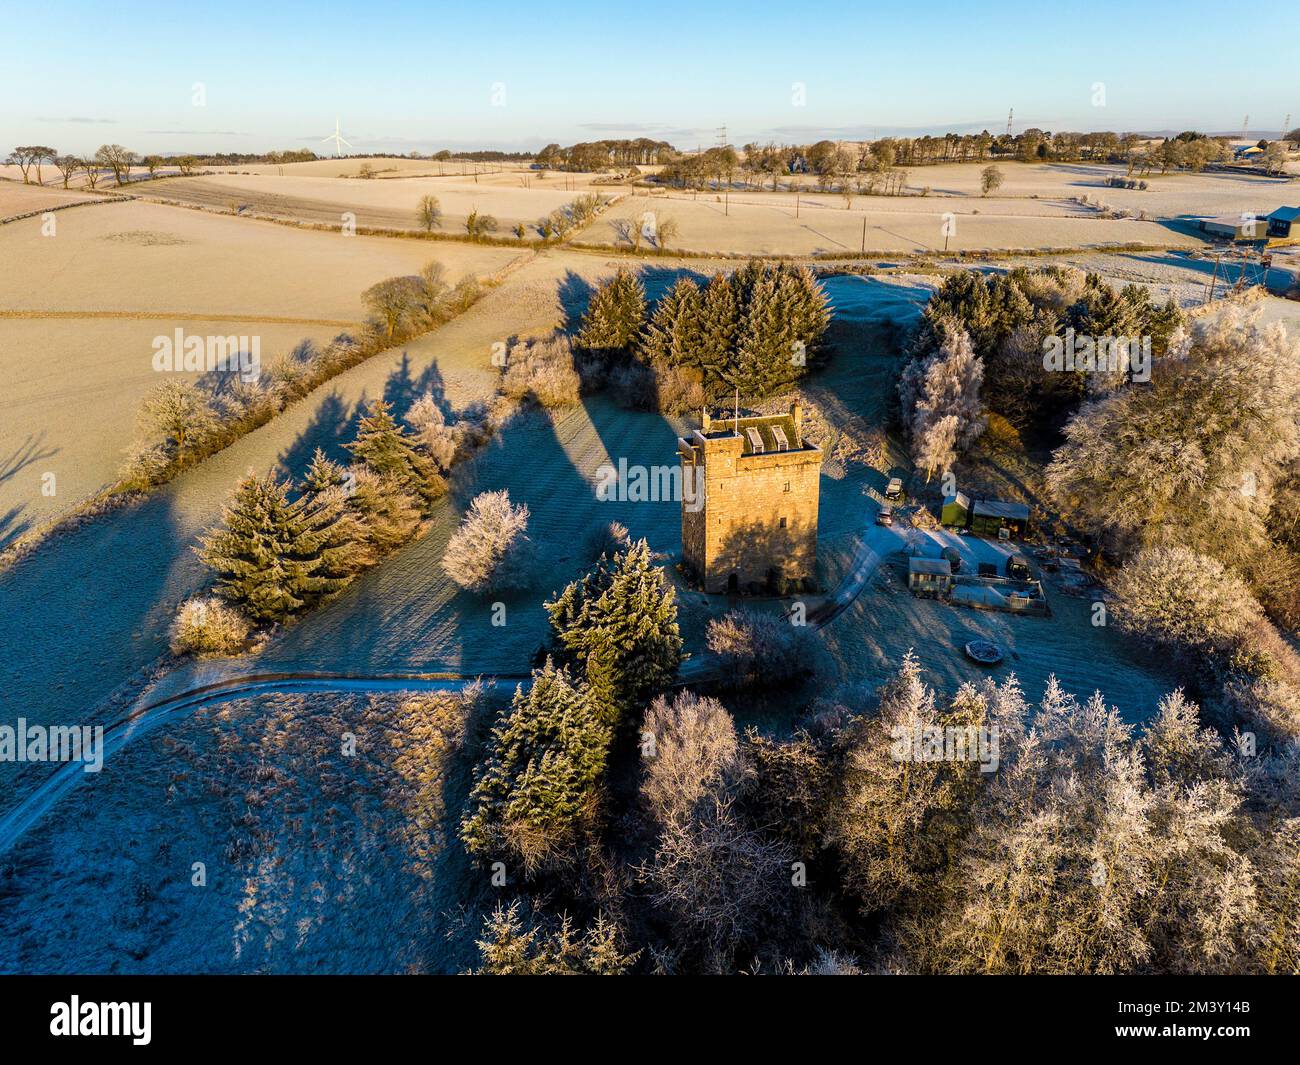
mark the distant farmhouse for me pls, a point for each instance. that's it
(1282, 223)
(756, 530)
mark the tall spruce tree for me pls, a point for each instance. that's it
(757, 330)
(674, 335)
(720, 322)
(615, 316)
(619, 622)
(273, 556)
(386, 448)
(389, 514)
(327, 488)
(539, 784)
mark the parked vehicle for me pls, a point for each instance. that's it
(886, 516)
(894, 490)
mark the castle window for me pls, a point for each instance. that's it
(783, 523)
(787, 486)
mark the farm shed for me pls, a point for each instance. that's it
(929, 576)
(956, 511)
(999, 519)
(1236, 227)
(1284, 222)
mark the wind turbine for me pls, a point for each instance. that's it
(337, 138)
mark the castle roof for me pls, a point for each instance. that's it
(760, 434)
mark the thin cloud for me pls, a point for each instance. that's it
(82, 120)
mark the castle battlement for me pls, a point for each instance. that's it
(757, 527)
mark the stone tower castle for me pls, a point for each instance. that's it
(749, 520)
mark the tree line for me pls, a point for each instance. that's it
(758, 329)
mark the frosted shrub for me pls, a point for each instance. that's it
(544, 372)
(208, 627)
(1174, 596)
(608, 540)
(679, 389)
(491, 550)
(432, 432)
(696, 751)
(759, 648)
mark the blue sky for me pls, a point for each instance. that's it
(422, 76)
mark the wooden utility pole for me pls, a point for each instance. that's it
(1214, 277)
(864, 234)
(796, 205)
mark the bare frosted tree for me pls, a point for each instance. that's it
(179, 411)
(693, 751)
(68, 166)
(941, 397)
(432, 432)
(666, 229)
(1216, 424)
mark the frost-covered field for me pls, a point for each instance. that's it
(79, 314)
(377, 203)
(17, 199)
(1033, 209)
(767, 224)
(311, 859)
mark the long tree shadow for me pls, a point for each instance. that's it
(640, 449)
(330, 428)
(25, 454)
(89, 610)
(12, 526)
(403, 388)
(574, 293)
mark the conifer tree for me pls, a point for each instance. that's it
(675, 334)
(615, 316)
(889, 796)
(620, 622)
(511, 947)
(757, 329)
(273, 555)
(388, 514)
(322, 474)
(327, 488)
(720, 320)
(386, 448)
(538, 787)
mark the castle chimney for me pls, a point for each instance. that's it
(705, 421)
(796, 416)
